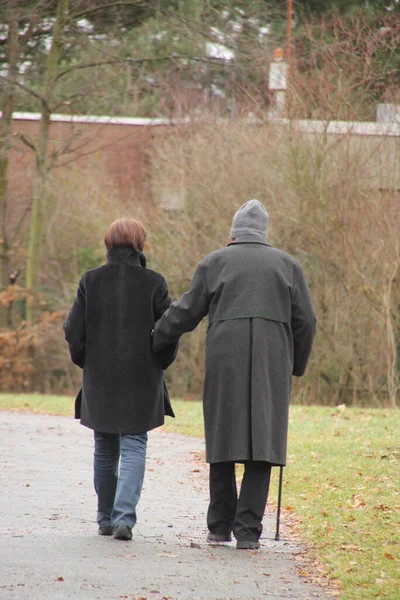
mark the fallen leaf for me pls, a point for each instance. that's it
(304, 573)
(389, 556)
(357, 502)
(349, 569)
(315, 455)
(352, 547)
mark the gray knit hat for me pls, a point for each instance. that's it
(250, 220)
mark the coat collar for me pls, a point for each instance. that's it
(249, 239)
(126, 255)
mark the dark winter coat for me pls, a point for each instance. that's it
(108, 331)
(260, 333)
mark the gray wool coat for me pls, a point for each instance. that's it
(260, 333)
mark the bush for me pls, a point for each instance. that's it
(325, 209)
(331, 205)
(35, 357)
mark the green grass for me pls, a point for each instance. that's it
(38, 403)
(341, 487)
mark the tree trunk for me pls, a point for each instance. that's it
(5, 146)
(39, 200)
(391, 349)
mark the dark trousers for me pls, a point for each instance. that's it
(242, 515)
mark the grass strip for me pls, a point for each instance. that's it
(341, 486)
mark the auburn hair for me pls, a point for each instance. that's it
(125, 232)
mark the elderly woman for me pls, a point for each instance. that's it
(124, 395)
(261, 331)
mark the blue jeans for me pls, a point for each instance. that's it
(119, 465)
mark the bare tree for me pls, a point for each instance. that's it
(54, 71)
(6, 142)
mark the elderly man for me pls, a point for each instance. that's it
(261, 330)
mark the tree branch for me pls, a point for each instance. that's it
(191, 25)
(26, 141)
(88, 11)
(26, 89)
(31, 31)
(19, 224)
(112, 61)
(67, 101)
(374, 78)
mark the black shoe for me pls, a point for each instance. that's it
(106, 530)
(219, 537)
(123, 532)
(247, 545)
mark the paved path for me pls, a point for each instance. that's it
(50, 549)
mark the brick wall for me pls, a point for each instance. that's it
(113, 155)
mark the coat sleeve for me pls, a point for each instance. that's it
(74, 327)
(303, 323)
(183, 315)
(162, 301)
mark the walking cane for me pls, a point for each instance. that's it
(278, 514)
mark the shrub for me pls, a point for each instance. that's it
(326, 209)
(35, 357)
